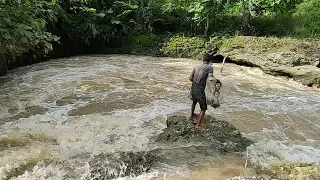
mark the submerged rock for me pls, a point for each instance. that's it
(220, 135)
(111, 166)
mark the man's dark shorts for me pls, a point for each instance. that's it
(198, 95)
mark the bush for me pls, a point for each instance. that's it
(225, 24)
(186, 47)
(307, 17)
(23, 31)
(144, 44)
(294, 171)
(254, 44)
(274, 25)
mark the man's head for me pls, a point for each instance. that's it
(207, 57)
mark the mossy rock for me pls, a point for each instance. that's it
(294, 171)
(220, 135)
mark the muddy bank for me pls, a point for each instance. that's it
(296, 59)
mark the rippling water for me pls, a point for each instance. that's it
(57, 116)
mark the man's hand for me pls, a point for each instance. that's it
(191, 76)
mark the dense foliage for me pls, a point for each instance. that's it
(307, 16)
(23, 29)
(31, 29)
(186, 47)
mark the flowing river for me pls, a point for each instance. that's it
(58, 116)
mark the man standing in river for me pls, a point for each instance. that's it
(198, 78)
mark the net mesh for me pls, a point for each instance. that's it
(213, 91)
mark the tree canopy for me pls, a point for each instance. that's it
(33, 28)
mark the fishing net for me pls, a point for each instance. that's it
(213, 91)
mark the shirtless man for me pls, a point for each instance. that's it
(198, 78)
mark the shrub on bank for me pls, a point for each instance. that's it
(195, 47)
(307, 17)
(279, 25)
(185, 47)
(254, 44)
(143, 44)
(294, 171)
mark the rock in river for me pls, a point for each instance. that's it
(220, 135)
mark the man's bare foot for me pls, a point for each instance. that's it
(199, 127)
(194, 118)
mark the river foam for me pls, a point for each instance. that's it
(58, 115)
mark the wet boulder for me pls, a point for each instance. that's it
(112, 166)
(220, 135)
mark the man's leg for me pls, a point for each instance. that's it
(203, 107)
(200, 118)
(193, 107)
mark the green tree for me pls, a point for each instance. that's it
(23, 28)
(307, 16)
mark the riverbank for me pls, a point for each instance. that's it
(298, 59)
(289, 57)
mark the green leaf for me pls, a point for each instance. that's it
(110, 11)
(24, 40)
(101, 14)
(115, 21)
(132, 21)
(92, 10)
(56, 38)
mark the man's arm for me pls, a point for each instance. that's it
(191, 76)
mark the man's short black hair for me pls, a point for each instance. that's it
(207, 57)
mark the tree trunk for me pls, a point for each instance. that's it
(246, 16)
(207, 26)
(3, 66)
(145, 24)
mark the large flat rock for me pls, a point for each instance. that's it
(295, 59)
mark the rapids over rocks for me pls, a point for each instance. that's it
(106, 117)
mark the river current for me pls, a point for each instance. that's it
(57, 116)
